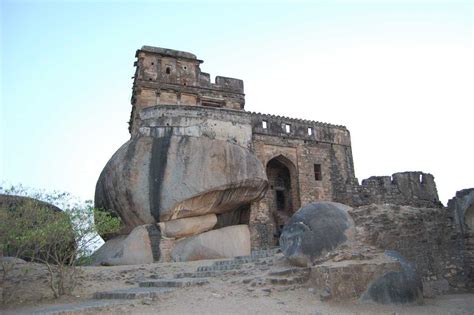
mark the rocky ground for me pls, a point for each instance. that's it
(259, 284)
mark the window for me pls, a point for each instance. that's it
(264, 124)
(168, 70)
(317, 172)
(310, 131)
(287, 128)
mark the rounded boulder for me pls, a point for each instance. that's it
(168, 177)
(315, 229)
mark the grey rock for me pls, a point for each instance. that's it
(315, 229)
(227, 242)
(135, 248)
(396, 287)
(156, 179)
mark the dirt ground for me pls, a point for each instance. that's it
(223, 295)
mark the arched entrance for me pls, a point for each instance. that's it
(281, 197)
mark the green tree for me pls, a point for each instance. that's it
(59, 239)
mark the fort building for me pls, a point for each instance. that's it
(304, 160)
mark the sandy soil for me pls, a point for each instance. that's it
(223, 295)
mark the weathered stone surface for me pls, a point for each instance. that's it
(416, 189)
(315, 229)
(169, 177)
(136, 248)
(227, 242)
(462, 208)
(187, 226)
(425, 236)
(349, 279)
(396, 287)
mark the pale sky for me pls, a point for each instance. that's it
(399, 75)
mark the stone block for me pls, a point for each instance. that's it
(187, 226)
(136, 248)
(227, 242)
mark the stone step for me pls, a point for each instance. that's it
(172, 283)
(210, 274)
(219, 267)
(131, 293)
(89, 306)
(286, 281)
(290, 271)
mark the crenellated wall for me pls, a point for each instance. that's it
(415, 189)
(171, 77)
(314, 158)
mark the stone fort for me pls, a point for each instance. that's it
(304, 160)
(201, 177)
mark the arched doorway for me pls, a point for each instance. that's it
(281, 197)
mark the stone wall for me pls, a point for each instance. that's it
(415, 189)
(171, 77)
(425, 236)
(462, 207)
(304, 148)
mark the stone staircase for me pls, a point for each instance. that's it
(240, 265)
(260, 260)
(282, 279)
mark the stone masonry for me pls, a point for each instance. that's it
(303, 161)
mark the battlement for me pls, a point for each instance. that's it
(173, 77)
(308, 130)
(417, 189)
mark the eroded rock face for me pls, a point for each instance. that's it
(227, 242)
(396, 287)
(315, 229)
(155, 179)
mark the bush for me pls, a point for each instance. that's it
(59, 239)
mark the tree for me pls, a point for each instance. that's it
(59, 239)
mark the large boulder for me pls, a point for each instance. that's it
(188, 226)
(396, 287)
(315, 229)
(139, 247)
(165, 177)
(227, 242)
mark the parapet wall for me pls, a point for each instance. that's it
(415, 189)
(196, 121)
(172, 77)
(291, 128)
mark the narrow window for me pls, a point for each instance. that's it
(317, 172)
(310, 131)
(168, 70)
(264, 124)
(287, 128)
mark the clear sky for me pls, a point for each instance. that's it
(399, 75)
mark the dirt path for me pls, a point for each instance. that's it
(224, 294)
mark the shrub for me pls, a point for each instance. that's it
(59, 239)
